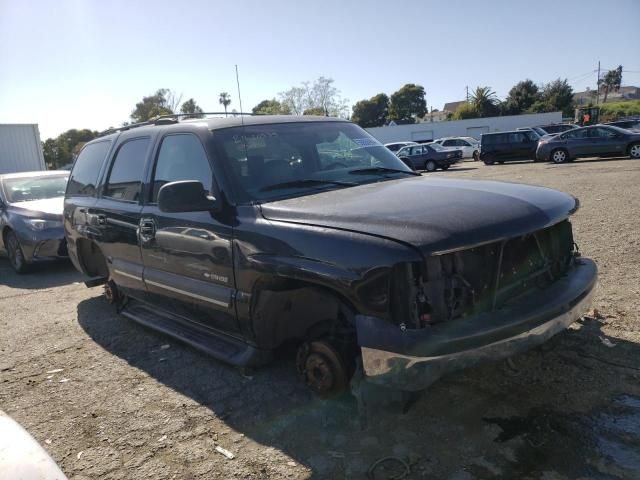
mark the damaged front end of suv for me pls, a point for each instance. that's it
(486, 302)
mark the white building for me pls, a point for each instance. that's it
(20, 148)
(426, 131)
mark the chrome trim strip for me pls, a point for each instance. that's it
(129, 275)
(188, 294)
(120, 223)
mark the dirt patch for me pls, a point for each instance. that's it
(110, 399)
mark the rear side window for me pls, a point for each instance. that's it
(125, 177)
(84, 175)
(181, 157)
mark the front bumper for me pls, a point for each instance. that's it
(43, 245)
(413, 359)
(543, 154)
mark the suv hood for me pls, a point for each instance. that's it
(435, 215)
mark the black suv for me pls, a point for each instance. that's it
(241, 235)
(508, 146)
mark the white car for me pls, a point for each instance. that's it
(470, 146)
(395, 146)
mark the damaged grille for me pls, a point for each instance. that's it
(485, 278)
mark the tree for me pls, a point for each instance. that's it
(371, 113)
(65, 147)
(466, 110)
(315, 111)
(271, 107)
(160, 103)
(485, 102)
(521, 97)
(408, 103)
(294, 100)
(191, 107)
(225, 101)
(611, 81)
(321, 95)
(554, 96)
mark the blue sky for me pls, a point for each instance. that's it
(79, 63)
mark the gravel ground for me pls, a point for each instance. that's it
(108, 398)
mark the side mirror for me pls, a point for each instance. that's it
(185, 196)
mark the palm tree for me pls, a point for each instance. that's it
(225, 101)
(611, 81)
(485, 101)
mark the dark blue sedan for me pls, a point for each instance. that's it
(31, 207)
(429, 156)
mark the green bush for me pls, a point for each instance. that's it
(613, 110)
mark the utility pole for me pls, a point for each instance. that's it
(598, 85)
(467, 87)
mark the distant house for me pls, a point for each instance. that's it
(451, 107)
(435, 116)
(589, 96)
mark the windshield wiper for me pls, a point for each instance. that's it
(364, 171)
(306, 182)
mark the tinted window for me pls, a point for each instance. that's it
(449, 143)
(576, 133)
(181, 157)
(602, 133)
(290, 159)
(125, 178)
(488, 139)
(84, 175)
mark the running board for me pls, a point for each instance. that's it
(217, 344)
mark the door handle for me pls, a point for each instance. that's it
(147, 228)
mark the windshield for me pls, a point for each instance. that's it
(25, 189)
(266, 162)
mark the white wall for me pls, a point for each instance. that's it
(465, 128)
(20, 148)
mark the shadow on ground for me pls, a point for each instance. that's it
(40, 275)
(556, 409)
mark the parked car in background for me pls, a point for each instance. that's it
(539, 131)
(469, 146)
(429, 157)
(395, 146)
(508, 146)
(31, 206)
(633, 124)
(558, 127)
(591, 141)
(369, 266)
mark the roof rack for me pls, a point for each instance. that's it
(171, 118)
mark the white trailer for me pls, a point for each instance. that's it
(20, 148)
(427, 131)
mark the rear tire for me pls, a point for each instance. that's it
(559, 156)
(476, 156)
(14, 251)
(634, 150)
(430, 166)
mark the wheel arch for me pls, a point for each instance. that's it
(291, 309)
(91, 258)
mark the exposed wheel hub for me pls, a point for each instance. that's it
(322, 368)
(111, 292)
